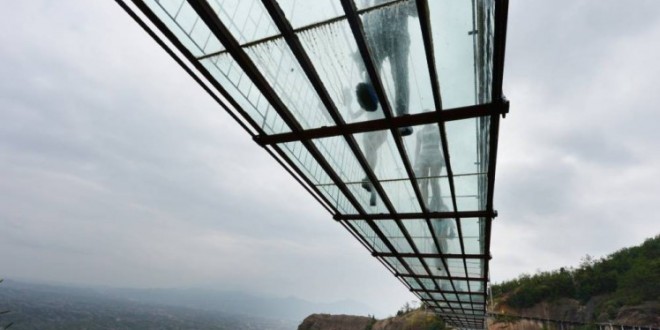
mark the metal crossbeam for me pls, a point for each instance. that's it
(460, 215)
(432, 255)
(416, 119)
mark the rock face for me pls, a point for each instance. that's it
(335, 322)
(415, 320)
(646, 314)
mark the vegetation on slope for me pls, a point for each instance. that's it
(627, 277)
(407, 318)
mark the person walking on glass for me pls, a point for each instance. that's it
(386, 31)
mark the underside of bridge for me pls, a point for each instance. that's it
(386, 111)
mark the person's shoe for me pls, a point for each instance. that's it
(366, 97)
(405, 131)
(366, 185)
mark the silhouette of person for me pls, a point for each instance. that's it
(386, 31)
(428, 165)
(444, 230)
(371, 143)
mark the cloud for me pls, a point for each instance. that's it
(577, 165)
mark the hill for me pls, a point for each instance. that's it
(623, 287)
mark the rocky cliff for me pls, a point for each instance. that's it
(414, 320)
(565, 309)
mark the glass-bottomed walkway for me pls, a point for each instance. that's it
(386, 111)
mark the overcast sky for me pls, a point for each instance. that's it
(116, 169)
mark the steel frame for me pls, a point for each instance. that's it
(272, 143)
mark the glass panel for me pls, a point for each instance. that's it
(382, 154)
(369, 4)
(475, 267)
(364, 230)
(247, 20)
(416, 266)
(456, 267)
(467, 192)
(439, 297)
(333, 51)
(412, 282)
(298, 153)
(426, 157)
(451, 297)
(421, 236)
(443, 304)
(460, 285)
(227, 72)
(280, 67)
(398, 266)
(454, 41)
(447, 234)
(463, 141)
(455, 305)
(303, 13)
(342, 204)
(472, 234)
(436, 266)
(401, 195)
(340, 157)
(368, 199)
(476, 286)
(188, 28)
(391, 230)
(396, 46)
(427, 283)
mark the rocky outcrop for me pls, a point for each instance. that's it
(571, 310)
(335, 322)
(414, 320)
(644, 314)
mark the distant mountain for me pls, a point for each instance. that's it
(289, 308)
(41, 306)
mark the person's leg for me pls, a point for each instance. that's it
(399, 67)
(370, 154)
(439, 228)
(372, 141)
(421, 172)
(434, 182)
